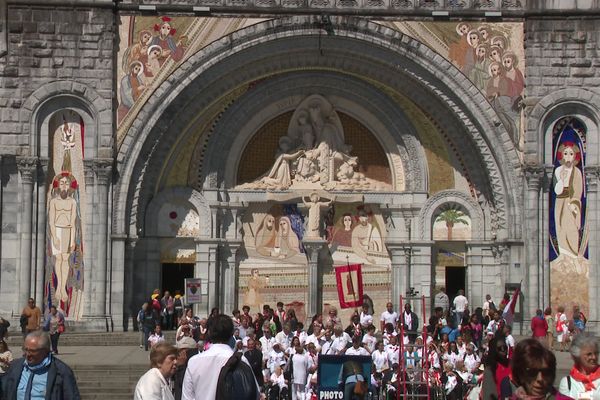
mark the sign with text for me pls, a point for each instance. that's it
(193, 292)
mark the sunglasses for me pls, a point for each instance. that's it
(533, 372)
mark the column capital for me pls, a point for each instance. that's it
(103, 170)
(27, 167)
(592, 175)
(534, 175)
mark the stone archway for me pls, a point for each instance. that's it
(209, 83)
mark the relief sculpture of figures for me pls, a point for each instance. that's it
(314, 214)
(314, 154)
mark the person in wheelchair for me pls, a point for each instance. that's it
(277, 386)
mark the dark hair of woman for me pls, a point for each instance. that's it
(530, 355)
(496, 354)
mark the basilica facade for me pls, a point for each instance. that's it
(240, 151)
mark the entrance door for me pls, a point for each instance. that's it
(173, 276)
(455, 280)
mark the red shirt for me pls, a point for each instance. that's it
(539, 326)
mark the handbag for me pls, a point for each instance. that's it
(360, 388)
(61, 328)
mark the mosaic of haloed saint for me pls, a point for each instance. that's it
(64, 277)
(569, 233)
(356, 235)
(275, 267)
(491, 55)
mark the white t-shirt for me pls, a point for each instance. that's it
(202, 373)
(366, 320)
(361, 351)
(389, 317)
(460, 303)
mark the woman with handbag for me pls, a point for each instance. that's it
(55, 325)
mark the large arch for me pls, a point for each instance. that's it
(398, 57)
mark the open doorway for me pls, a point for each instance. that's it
(174, 274)
(455, 278)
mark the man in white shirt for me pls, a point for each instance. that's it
(389, 316)
(366, 319)
(326, 346)
(316, 338)
(357, 349)
(488, 305)
(266, 341)
(340, 341)
(202, 373)
(284, 338)
(460, 305)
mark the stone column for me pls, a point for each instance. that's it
(228, 294)
(103, 170)
(27, 168)
(41, 212)
(533, 274)
(130, 307)
(399, 273)
(118, 314)
(207, 252)
(313, 248)
(88, 224)
(421, 270)
(592, 220)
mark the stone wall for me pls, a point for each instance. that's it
(562, 53)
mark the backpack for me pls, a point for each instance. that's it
(492, 305)
(236, 380)
(559, 325)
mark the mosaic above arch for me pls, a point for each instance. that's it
(491, 55)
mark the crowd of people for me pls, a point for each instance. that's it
(457, 354)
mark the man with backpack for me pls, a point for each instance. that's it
(217, 370)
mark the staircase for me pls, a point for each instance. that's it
(115, 382)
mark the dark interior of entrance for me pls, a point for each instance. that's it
(455, 280)
(173, 276)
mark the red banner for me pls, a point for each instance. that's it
(349, 285)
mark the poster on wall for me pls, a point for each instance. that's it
(569, 232)
(193, 291)
(334, 371)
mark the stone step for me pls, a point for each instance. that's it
(94, 339)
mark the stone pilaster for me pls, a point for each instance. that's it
(533, 274)
(118, 315)
(27, 169)
(592, 221)
(313, 248)
(88, 234)
(420, 271)
(207, 269)
(129, 266)
(103, 172)
(228, 293)
(41, 212)
(399, 273)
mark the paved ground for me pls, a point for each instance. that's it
(104, 355)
